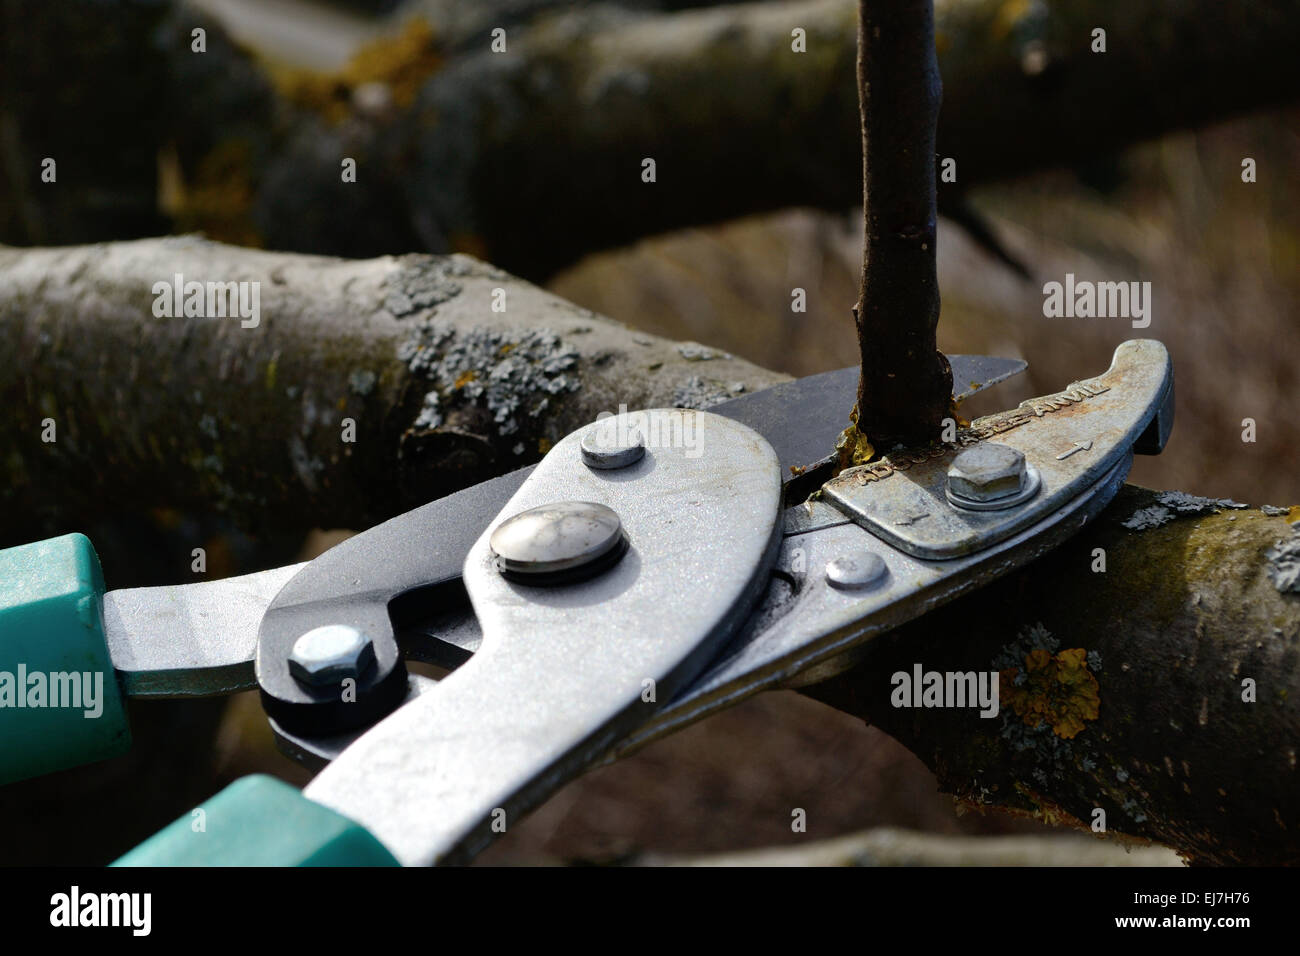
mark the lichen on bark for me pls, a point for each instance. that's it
(1196, 730)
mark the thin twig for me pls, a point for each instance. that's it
(905, 388)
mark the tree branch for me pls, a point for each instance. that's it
(532, 158)
(887, 846)
(905, 388)
(1149, 725)
(194, 412)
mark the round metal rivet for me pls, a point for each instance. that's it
(855, 570)
(562, 538)
(607, 445)
(324, 656)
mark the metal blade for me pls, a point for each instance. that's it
(199, 640)
(802, 419)
(973, 373)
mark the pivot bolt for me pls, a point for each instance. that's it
(326, 656)
(559, 543)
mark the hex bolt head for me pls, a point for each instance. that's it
(554, 543)
(987, 472)
(607, 445)
(326, 656)
(858, 570)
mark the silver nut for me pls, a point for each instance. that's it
(608, 444)
(858, 570)
(987, 472)
(565, 536)
(325, 656)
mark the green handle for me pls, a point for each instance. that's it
(60, 704)
(259, 821)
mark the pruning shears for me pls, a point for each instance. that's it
(655, 567)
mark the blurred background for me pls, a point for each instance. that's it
(1221, 256)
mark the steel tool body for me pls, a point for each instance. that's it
(654, 568)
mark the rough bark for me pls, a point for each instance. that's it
(1132, 695)
(202, 412)
(532, 158)
(905, 388)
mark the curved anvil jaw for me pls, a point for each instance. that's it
(1080, 441)
(1071, 438)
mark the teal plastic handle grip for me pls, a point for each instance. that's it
(260, 821)
(60, 704)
